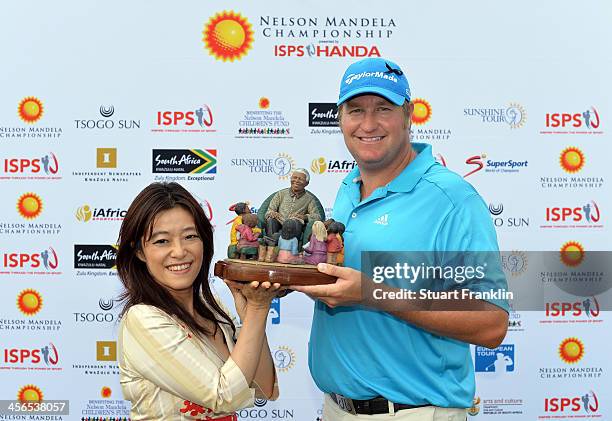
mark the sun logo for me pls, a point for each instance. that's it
(572, 253)
(106, 392)
(284, 358)
(319, 165)
(83, 213)
(29, 205)
(571, 350)
(422, 111)
(228, 36)
(264, 103)
(571, 159)
(30, 109)
(29, 302)
(283, 166)
(29, 393)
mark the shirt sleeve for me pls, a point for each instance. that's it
(313, 212)
(467, 238)
(274, 204)
(158, 349)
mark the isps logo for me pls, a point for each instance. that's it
(578, 122)
(587, 308)
(187, 121)
(19, 261)
(43, 358)
(45, 167)
(587, 215)
(587, 403)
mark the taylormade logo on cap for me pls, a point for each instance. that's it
(350, 78)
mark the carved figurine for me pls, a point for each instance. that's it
(317, 247)
(335, 243)
(288, 243)
(248, 243)
(240, 208)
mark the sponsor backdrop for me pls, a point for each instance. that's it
(100, 99)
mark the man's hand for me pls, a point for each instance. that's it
(345, 291)
(275, 215)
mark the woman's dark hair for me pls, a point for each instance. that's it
(140, 287)
(291, 228)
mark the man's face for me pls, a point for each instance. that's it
(298, 182)
(375, 131)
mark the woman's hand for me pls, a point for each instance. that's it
(254, 294)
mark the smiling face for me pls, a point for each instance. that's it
(376, 132)
(298, 182)
(173, 253)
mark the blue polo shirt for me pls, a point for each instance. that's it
(362, 353)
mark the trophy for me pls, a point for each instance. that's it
(285, 240)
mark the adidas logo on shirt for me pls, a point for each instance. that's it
(382, 220)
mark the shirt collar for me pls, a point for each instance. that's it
(294, 195)
(409, 176)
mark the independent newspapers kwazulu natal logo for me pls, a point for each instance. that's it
(185, 161)
(110, 168)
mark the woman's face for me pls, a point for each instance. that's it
(173, 253)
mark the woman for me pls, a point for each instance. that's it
(178, 356)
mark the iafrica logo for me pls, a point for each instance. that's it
(30, 109)
(29, 393)
(228, 36)
(29, 205)
(29, 302)
(318, 165)
(83, 213)
(572, 253)
(571, 350)
(571, 159)
(422, 111)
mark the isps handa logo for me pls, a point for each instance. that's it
(585, 215)
(585, 122)
(24, 262)
(583, 310)
(37, 167)
(584, 406)
(228, 36)
(44, 358)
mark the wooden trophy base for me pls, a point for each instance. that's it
(284, 274)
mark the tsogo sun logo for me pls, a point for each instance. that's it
(228, 36)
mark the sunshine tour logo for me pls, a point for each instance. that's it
(45, 167)
(513, 115)
(185, 161)
(94, 256)
(582, 122)
(282, 165)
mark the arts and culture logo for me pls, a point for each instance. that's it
(37, 167)
(585, 122)
(514, 115)
(228, 36)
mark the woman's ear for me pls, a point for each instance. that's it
(139, 252)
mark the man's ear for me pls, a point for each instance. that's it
(408, 117)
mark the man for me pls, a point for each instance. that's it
(367, 356)
(294, 202)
